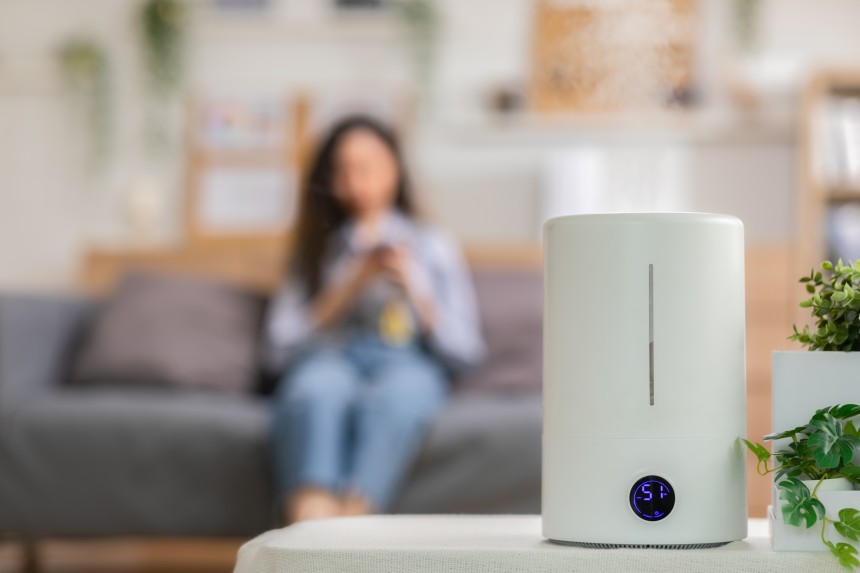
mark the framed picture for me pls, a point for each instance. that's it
(232, 123)
(243, 168)
(246, 201)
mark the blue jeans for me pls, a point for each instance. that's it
(353, 417)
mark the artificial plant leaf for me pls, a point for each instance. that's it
(785, 434)
(758, 450)
(845, 553)
(819, 414)
(844, 411)
(848, 525)
(787, 472)
(792, 490)
(828, 443)
(799, 507)
(805, 512)
(851, 472)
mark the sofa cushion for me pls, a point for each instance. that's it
(511, 307)
(481, 455)
(38, 335)
(120, 461)
(114, 461)
(173, 331)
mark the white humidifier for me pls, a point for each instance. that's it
(644, 385)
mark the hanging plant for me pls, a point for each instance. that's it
(162, 27)
(747, 14)
(86, 75)
(422, 22)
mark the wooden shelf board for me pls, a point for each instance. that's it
(842, 195)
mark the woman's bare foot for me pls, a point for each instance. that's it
(311, 503)
(353, 503)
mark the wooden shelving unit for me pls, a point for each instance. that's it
(815, 195)
(251, 257)
(284, 155)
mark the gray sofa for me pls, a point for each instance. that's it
(79, 461)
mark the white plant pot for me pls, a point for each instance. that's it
(823, 494)
(832, 484)
(804, 382)
(786, 537)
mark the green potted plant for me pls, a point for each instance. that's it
(818, 458)
(163, 33)
(163, 30)
(834, 302)
(822, 373)
(812, 380)
(85, 69)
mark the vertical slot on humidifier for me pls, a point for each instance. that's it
(651, 334)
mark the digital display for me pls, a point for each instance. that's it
(652, 498)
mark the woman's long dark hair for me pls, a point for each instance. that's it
(320, 214)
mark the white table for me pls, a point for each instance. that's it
(479, 543)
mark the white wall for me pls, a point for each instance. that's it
(480, 182)
(819, 32)
(50, 210)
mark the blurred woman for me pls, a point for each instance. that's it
(376, 315)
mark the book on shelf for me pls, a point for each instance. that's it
(838, 145)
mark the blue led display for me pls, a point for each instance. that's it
(652, 498)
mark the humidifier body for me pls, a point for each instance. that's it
(644, 383)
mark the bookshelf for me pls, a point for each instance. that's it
(829, 163)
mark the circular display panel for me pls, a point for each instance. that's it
(652, 498)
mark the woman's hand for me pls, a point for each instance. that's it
(335, 299)
(395, 262)
(398, 264)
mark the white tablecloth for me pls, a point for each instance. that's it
(482, 543)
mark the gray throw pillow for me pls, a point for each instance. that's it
(172, 331)
(511, 306)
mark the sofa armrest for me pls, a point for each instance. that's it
(37, 333)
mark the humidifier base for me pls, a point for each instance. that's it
(644, 491)
(638, 546)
